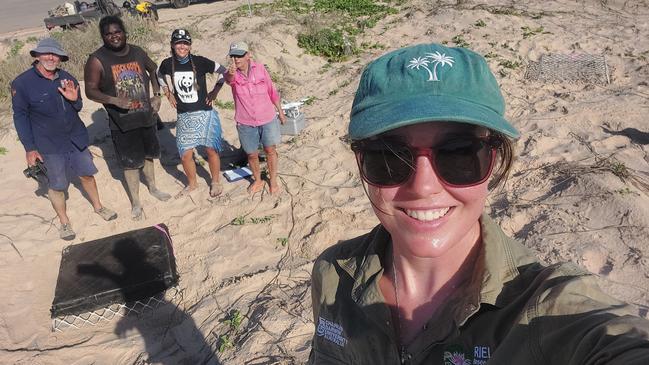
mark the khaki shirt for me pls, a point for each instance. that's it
(520, 313)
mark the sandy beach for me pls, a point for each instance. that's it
(579, 189)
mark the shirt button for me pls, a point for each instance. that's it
(426, 326)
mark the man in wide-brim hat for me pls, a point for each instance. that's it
(46, 104)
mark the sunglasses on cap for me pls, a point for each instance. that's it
(458, 162)
(177, 37)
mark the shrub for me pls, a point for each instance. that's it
(15, 48)
(332, 24)
(330, 43)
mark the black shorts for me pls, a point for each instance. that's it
(134, 146)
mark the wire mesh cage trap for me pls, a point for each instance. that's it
(128, 273)
(173, 296)
(575, 67)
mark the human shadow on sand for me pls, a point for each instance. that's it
(636, 136)
(170, 335)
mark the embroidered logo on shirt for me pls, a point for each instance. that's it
(331, 331)
(481, 354)
(455, 355)
(436, 59)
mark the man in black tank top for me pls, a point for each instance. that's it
(118, 75)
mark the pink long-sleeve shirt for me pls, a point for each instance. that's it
(254, 96)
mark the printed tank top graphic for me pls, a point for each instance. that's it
(129, 83)
(185, 86)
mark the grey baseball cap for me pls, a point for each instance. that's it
(238, 48)
(49, 45)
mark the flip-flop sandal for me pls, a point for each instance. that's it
(106, 214)
(216, 190)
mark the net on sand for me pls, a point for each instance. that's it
(569, 68)
(172, 296)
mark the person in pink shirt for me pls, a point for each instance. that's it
(257, 112)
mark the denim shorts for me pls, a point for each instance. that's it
(267, 134)
(62, 165)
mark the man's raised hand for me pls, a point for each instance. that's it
(69, 90)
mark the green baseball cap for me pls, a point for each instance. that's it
(427, 83)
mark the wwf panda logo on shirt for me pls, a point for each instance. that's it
(184, 84)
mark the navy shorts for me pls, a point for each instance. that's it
(62, 165)
(134, 146)
(267, 134)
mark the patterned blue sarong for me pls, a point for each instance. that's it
(199, 128)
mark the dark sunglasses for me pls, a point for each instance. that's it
(239, 56)
(458, 162)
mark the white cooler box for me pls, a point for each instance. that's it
(293, 125)
(295, 119)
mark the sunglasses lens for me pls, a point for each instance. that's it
(387, 166)
(460, 162)
(463, 162)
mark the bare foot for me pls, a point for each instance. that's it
(275, 189)
(185, 192)
(216, 189)
(255, 187)
(137, 213)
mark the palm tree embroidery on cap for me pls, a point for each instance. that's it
(436, 59)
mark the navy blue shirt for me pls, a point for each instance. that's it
(45, 120)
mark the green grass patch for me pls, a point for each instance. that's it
(375, 45)
(619, 169)
(282, 241)
(3, 151)
(333, 44)
(234, 319)
(310, 100)
(624, 191)
(340, 86)
(225, 343)
(529, 32)
(224, 104)
(512, 65)
(239, 221)
(460, 41)
(15, 47)
(260, 220)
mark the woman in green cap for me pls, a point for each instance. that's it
(437, 281)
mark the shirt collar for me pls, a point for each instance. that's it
(251, 66)
(498, 263)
